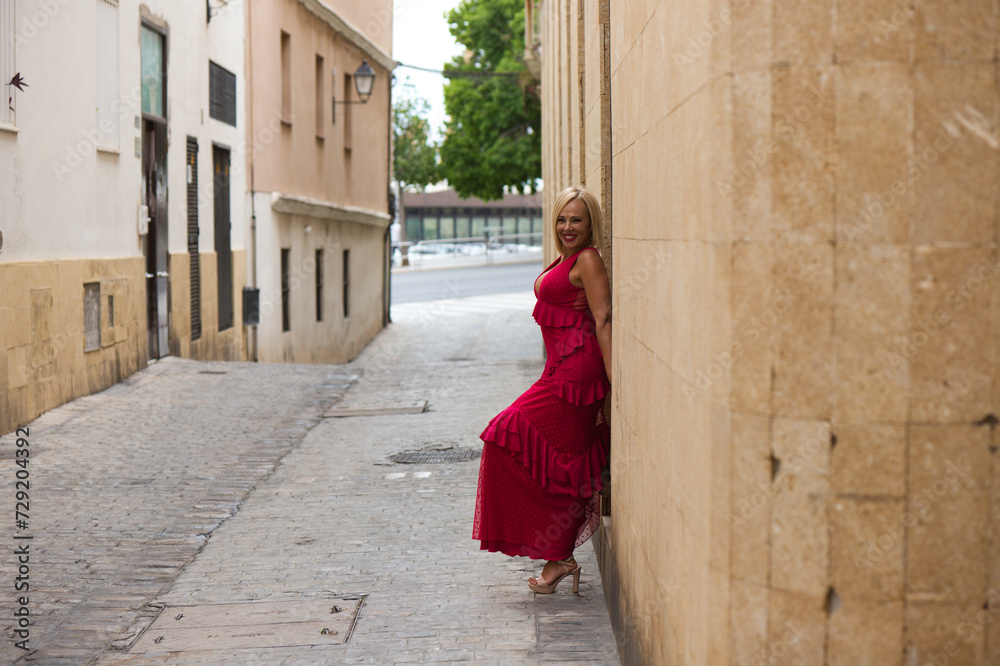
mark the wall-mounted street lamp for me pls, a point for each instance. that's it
(364, 79)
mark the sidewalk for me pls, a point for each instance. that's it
(428, 262)
(131, 483)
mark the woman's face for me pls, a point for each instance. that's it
(573, 226)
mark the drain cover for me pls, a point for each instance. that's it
(416, 407)
(439, 456)
(256, 625)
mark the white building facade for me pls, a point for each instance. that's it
(122, 207)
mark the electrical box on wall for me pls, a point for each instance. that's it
(143, 222)
(251, 306)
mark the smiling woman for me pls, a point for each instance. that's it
(543, 456)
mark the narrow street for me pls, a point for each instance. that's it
(250, 513)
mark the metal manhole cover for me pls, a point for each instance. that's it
(439, 456)
(255, 625)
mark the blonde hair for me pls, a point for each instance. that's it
(593, 209)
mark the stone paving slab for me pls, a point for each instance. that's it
(127, 485)
(327, 514)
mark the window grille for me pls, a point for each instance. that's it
(91, 316)
(221, 94)
(8, 66)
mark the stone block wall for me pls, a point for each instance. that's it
(806, 325)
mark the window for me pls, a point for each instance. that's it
(347, 283)
(111, 311)
(192, 236)
(320, 97)
(286, 319)
(319, 285)
(447, 227)
(413, 228)
(91, 316)
(8, 66)
(221, 94)
(153, 94)
(478, 226)
(107, 74)
(461, 227)
(348, 84)
(286, 78)
(430, 228)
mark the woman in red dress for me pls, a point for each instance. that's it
(543, 456)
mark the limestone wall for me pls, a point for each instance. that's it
(806, 325)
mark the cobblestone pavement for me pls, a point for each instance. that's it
(179, 489)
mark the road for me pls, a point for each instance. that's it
(234, 513)
(432, 285)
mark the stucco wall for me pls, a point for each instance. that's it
(806, 328)
(341, 186)
(288, 156)
(68, 210)
(335, 339)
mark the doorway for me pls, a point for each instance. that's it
(154, 197)
(154, 187)
(223, 247)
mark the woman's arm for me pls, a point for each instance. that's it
(593, 277)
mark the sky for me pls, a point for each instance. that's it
(420, 37)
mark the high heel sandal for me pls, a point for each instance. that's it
(549, 588)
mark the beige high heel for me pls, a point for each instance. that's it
(549, 588)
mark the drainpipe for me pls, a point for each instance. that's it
(387, 255)
(253, 207)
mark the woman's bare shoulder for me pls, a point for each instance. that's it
(590, 260)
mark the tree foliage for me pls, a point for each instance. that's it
(415, 161)
(493, 136)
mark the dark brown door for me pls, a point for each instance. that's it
(223, 250)
(155, 242)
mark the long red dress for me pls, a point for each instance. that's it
(542, 456)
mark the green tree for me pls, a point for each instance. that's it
(493, 136)
(415, 162)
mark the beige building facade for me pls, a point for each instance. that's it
(103, 212)
(803, 209)
(319, 186)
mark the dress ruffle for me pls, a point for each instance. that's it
(580, 394)
(570, 329)
(547, 314)
(581, 477)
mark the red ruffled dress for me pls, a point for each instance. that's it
(543, 456)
